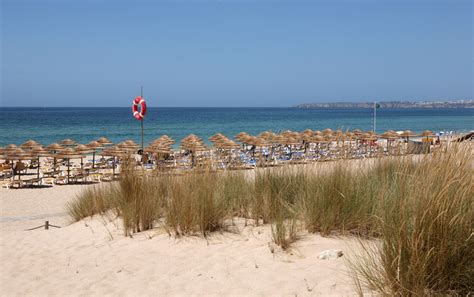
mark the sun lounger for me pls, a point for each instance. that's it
(17, 184)
(61, 180)
(47, 181)
(6, 183)
(33, 182)
(95, 177)
(107, 177)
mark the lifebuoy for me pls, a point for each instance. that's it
(139, 115)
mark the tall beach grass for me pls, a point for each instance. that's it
(418, 209)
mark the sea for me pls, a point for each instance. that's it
(48, 125)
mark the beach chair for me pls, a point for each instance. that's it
(17, 184)
(95, 177)
(79, 178)
(47, 181)
(107, 177)
(6, 183)
(60, 180)
(33, 182)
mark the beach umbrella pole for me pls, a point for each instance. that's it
(68, 169)
(38, 172)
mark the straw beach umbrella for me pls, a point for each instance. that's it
(10, 148)
(69, 154)
(17, 154)
(193, 144)
(216, 137)
(327, 131)
(427, 134)
(115, 152)
(306, 136)
(129, 146)
(317, 132)
(94, 145)
(29, 144)
(39, 151)
(239, 136)
(390, 136)
(408, 134)
(161, 146)
(54, 148)
(164, 140)
(104, 141)
(67, 142)
(83, 149)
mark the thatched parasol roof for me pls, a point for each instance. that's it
(407, 133)
(55, 147)
(114, 151)
(193, 143)
(104, 141)
(94, 145)
(289, 141)
(18, 154)
(40, 151)
(427, 133)
(327, 131)
(128, 145)
(83, 149)
(29, 144)
(241, 136)
(10, 147)
(267, 135)
(389, 135)
(69, 153)
(317, 139)
(164, 139)
(67, 142)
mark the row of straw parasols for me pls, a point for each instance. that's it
(327, 135)
(66, 149)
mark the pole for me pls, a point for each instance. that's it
(375, 115)
(38, 172)
(141, 122)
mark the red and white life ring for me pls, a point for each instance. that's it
(139, 115)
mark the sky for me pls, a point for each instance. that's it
(234, 53)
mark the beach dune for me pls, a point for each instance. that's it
(93, 258)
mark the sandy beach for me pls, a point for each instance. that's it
(93, 258)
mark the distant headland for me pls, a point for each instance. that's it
(393, 104)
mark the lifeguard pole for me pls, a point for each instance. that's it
(141, 122)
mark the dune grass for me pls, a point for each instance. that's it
(91, 201)
(426, 242)
(419, 209)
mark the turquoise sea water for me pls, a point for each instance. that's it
(48, 125)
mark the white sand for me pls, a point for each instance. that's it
(93, 258)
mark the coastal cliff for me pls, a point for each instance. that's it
(393, 104)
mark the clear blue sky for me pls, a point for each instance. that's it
(234, 53)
